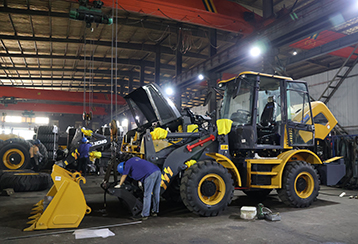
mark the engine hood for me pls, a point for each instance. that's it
(148, 105)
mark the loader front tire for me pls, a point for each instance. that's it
(300, 184)
(207, 188)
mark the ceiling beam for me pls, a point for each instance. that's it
(139, 22)
(98, 89)
(121, 73)
(122, 45)
(32, 78)
(52, 108)
(332, 46)
(312, 18)
(217, 16)
(133, 62)
(52, 95)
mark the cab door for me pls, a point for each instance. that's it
(299, 126)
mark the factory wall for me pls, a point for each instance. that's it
(344, 103)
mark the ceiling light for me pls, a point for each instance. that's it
(169, 91)
(201, 77)
(294, 53)
(255, 52)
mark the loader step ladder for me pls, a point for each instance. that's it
(263, 167)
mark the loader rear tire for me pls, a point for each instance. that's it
(300, 185)
(207, 188)
(26, 181)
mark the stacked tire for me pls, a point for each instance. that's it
(14, 154)
(49, 139)
(24, 180)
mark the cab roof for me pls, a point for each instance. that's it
(256, 73)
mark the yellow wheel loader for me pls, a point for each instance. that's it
(264, 139)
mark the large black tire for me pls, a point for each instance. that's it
(8, 171)
(50, 146)
(45, 130)
(45, 138)
(300, 185)
(14, 154)
(22, 182)
(207, 188)
(258, 194)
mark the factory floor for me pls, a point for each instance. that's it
(331, 219)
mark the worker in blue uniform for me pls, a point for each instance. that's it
(83, 160)
(150, 176)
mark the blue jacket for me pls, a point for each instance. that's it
(83, 150)
(139, 169)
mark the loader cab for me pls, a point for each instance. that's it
(268, 112)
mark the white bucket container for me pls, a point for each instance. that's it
(248, 212)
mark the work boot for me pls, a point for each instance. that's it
(154, 214)
(140, 218)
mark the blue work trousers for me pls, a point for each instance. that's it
(151, 185)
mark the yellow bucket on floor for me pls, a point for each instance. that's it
(64, 206)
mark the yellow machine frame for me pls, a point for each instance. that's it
(278, 163)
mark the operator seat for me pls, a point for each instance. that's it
(266, 129)
(268, 116)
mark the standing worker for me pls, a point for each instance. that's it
(150, 176)
(83, 150)
(35, 155)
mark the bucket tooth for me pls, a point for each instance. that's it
(38, 208)
(36, 216)
(31, 228)
(41, 202)
(36, 212)
(32, 221)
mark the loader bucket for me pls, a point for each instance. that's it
(64, 205)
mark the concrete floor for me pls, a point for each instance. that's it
(330, 219)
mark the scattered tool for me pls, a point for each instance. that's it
(266, 213)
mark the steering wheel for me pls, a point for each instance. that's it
(241, 116)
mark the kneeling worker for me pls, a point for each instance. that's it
(150, 176)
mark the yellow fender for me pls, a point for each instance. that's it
(293, 155)
(227, 163)
(297, 155)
